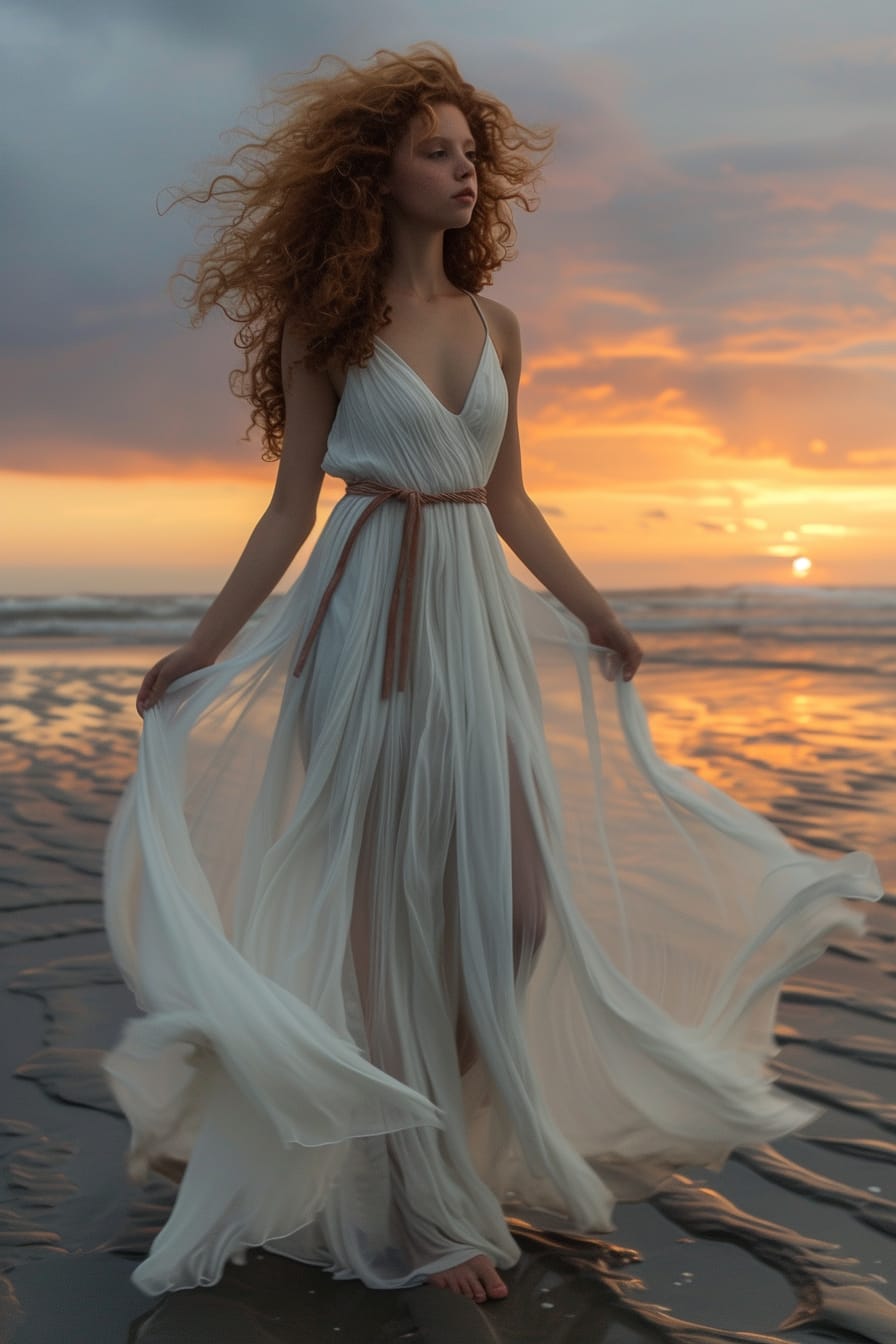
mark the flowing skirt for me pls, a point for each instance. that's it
(401, 961)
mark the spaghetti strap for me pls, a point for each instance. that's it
(478, 308)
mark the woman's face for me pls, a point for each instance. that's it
(431, 168)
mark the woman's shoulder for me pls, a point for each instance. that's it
(499, 311)
(503, 325)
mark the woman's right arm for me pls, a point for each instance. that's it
(279, 533)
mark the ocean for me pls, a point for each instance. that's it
(836, 629)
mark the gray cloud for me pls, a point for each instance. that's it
(704, 184)
(860, 71)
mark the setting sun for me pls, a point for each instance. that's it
(801, 565)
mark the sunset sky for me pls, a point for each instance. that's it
(706, 291)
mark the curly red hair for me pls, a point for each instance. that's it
(304, 236)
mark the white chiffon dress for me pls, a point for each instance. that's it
(429, 928)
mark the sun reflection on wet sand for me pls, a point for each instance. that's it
(812, 752)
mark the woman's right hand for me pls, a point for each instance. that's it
(186, 658)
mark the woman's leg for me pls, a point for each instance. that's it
(529, 904)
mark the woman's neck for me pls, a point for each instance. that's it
(418, 269)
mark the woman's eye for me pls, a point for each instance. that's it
(434, 154)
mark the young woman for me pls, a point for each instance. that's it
(419, 923)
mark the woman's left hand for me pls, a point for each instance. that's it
(610, 633)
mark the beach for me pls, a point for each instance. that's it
(788, 703)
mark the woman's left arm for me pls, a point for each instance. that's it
(520, 522)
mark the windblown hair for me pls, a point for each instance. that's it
(304, 237)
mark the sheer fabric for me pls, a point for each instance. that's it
(403, 959)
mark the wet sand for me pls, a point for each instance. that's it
(799, 1237)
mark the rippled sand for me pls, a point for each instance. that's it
(798, 1237)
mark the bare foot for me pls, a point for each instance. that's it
(476, 1278)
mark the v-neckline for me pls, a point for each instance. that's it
(455, 415)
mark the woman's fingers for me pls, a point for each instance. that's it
(625, 656)
(168, 669)
(150, 689)
(626, 653)
(632, 661)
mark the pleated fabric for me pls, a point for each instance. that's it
(402, 960)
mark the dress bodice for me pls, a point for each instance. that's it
(390, 426)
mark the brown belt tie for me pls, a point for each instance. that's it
(405, 570)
